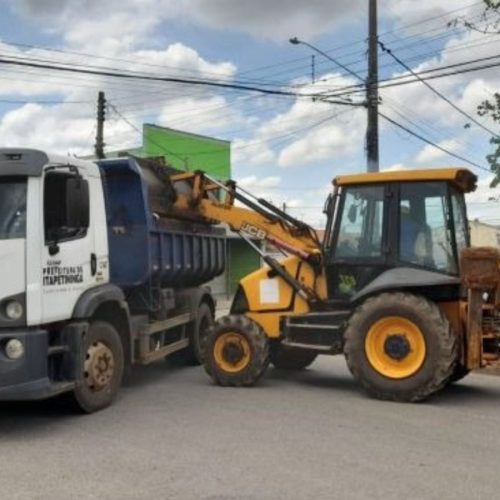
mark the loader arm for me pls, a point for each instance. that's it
(214, 201)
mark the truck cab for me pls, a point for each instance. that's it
(53, 247)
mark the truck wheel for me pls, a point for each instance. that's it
(204, 320)
(291, 359)
(237, 351)
(400, 347)
(103, 364)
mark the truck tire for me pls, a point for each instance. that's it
(102, 368)
(237, 351)
(197, 340)
(400, 347)
(291, 359)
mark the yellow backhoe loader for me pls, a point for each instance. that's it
(393, 285)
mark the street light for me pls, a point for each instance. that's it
(296, 41)
(371, 102)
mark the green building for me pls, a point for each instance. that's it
(190, 152)
(183, 150)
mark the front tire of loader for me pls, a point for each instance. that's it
(400, 347)
(236, 351)
(291, 359)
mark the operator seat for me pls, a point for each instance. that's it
(415, 240)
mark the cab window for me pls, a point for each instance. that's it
(459, 220)
(425, 237)
(361, 227)
(66, 206)
(12, 208)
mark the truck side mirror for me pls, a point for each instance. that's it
(77, 203)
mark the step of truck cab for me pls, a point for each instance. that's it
(320, 331)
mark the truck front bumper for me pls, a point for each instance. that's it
(27, 378)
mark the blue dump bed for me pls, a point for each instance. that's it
(146, 247)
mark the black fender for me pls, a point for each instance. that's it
(114, 309)
(419, 281)
(90, 300)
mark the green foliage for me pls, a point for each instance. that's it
(489, 23)
(491, 108)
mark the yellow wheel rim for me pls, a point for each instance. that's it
(395, 347)
(232, 352)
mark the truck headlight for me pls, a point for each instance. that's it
(14, 349)
(14, 310)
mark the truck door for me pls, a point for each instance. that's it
(68, 259)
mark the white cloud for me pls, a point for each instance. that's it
(393, 168)
(306, 133)
(276, 19)
(130, 21)
(252, 182)
(465, 90)
(329, 141)
(430, 153)
(251, 152)
(200, 115)
(57, 129)
(407, 12)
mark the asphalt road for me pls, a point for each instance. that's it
(313, 435)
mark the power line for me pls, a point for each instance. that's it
(23, 101)
(146, 77)
(396, 81)
(439, 94)
(437, 146)
(350, 44)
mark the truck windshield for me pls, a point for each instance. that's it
(12, 209)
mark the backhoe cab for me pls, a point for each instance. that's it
(384, 288)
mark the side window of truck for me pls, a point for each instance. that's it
(66, 207)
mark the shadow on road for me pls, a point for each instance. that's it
(31, 416)
(465, 393)
(469, 392)
(313, 378)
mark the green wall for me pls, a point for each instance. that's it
(242, 261)
(187, 151)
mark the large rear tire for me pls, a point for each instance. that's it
(103, 364)
(291, 359)
(400, 347)
(459, 373)
(236, 351)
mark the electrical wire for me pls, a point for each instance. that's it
(439, 94)
(437, 146)
(149, 77)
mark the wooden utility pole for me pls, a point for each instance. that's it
(372, 153)
(101, 117)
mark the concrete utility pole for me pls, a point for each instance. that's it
(371, 84)
(101, 117)
(372, 153)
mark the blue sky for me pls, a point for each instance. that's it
(286, 149)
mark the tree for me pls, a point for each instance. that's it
(491, 108)
(489, 23)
